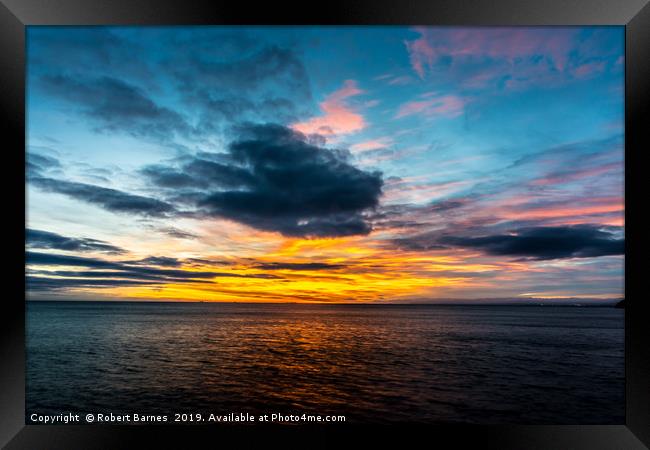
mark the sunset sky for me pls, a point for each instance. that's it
(325, 164)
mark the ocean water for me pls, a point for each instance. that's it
(371, 363)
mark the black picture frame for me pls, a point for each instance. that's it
(16, 14)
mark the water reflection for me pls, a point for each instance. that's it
(430, 364)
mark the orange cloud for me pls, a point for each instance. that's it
(359, 270)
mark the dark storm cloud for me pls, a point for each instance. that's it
(273, 179)
(580, 241)
(536, 243)
(116, 105)
(110, 199)
(47, 240)
(100, 272)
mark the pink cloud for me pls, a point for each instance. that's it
(338, 117)
(569, 177)
(496, 43)
(395, 80)
(421, 52)
(371, 144)
(519, 57)
(446, 106)
(588, 69)
(399, 81)
(569, 211)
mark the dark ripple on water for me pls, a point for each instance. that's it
(476, 364)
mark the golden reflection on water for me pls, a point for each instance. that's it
(379, 363)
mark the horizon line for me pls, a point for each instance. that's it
(565, 301)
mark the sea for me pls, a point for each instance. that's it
(480, 364)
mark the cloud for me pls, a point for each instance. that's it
(37, 163)
(273, 179)
(535, 243)
(199, 172)
(39, 258)
(574, 153)
(256, 84)
(241, 78)
(38, 283)
(338, 117)
(439, 105)
(177, 233)
(116, 105)
(110, 199)
(114, 273)
(435, 44)
(298, 266)
(587, 70)
(568, 175)
(372, 144)
(513, 58)
(47, 240)
(419, 192)
(402, 80)
(269, 64)
(215, 110)
(164, 261)
(207, 262)
(599, 162)
(94, 49)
